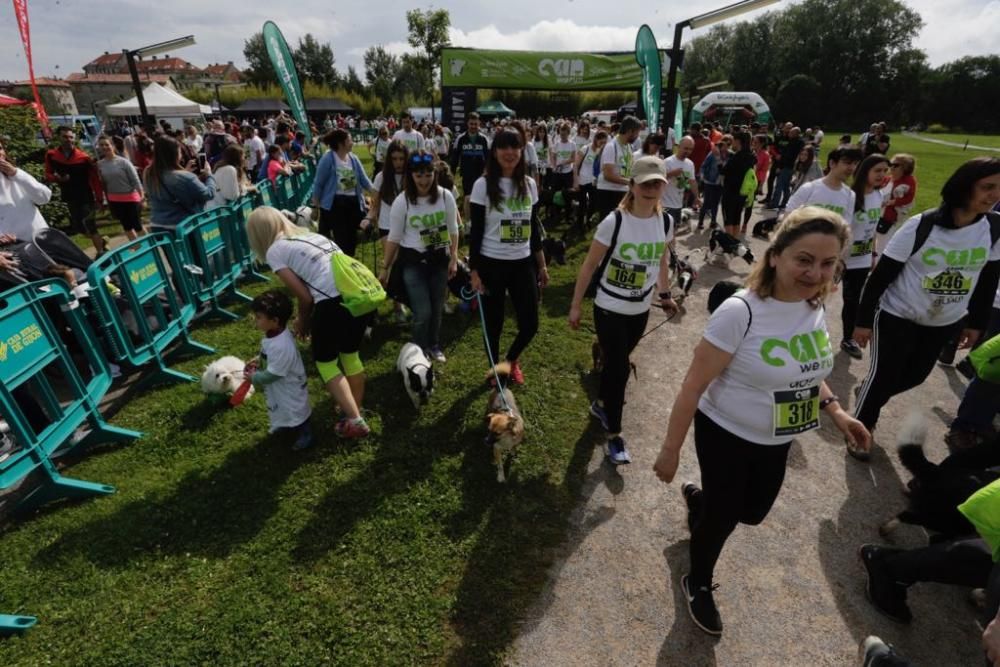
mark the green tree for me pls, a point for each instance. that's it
(976, 78)
(428, 31)
(799, 100)
(314, 61)
(259, 70)
(352, 82)
(381, 71)
(413, 79)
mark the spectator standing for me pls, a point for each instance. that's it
(413, 140)
(702, 146)
(230, 177)
(585, 179)
(469, 157)
(174, 193)
(681, 179)
(79, 184)
(339, 190)
(734, 171)
(20, 197)
(616, 167)
(192, 139)
(254, 149)
(216, 141)
(122, 187)
(377, 148)
(786, 165)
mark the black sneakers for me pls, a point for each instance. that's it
(882, 589)
(692, 497)
(876, 653)
(702, 607)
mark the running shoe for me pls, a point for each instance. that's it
(597, 410)
(352, 429)
(849, 346)
(701, 606)
(881, 588)
(876, 653)
(516, 375)
(437, 355)
(615, 450)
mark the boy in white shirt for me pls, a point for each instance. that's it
(282, 375)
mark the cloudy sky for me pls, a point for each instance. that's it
(66, 34)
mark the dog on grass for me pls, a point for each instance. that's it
(418, 375)
(936, 490)
(504, 423)
(555, 250)
(224, 376)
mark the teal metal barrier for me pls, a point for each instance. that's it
(265, 194)
(205, 245)
(157, 301)
(242, 253)
(285, 191)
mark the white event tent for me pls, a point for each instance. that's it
(162, 102)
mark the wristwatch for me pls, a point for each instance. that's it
(665, 295)
(827, 401)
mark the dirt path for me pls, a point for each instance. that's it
(953, 144)
(791, 590)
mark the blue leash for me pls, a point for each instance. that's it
(468, 295)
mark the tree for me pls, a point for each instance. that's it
(314, 61)
(798, 100)
(259, 70)
(428, 31)
(381, 71)
(352, 82)
(413, 78)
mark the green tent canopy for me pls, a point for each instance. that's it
(495, 108)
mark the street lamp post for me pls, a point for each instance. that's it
(700, 21)
(151, 50)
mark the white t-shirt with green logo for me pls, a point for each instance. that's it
(769, 392)
(634, 266)
(816, 193)
(385, 206)
(565, 154)
(424, 226)
(858, 255)
(542, 151)
(347, 180)
(673, 194)
(586, 176)
(507, 234)
(621, 158)
(935, 285)
(413, 140)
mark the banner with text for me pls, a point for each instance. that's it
(540, 70)
(284, 66)
(21, 12)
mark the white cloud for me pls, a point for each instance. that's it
(957, 28)
(557, 35)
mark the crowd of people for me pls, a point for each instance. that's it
(914, 288)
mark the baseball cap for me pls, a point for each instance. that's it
(648, 168)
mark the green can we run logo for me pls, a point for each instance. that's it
(812, 351)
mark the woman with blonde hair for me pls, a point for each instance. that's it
(301, 259)
(767, 350)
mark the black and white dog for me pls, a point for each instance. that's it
(937, 490)
(729, 245)
(418, 376)
(554, 249)
(686, 274)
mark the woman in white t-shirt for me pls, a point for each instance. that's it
(230, 177)
(423, 241)
(858, 253)
(939, 268)
(301, 260)
(562, 157)
(540, 144)
(630, 251)
(585, 178)
(755, 383)
(505, 246)
(386, 191)
(378, 148)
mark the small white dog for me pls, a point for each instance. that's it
(683, 226)
(300, 217)
(224, 376)
(418, 376)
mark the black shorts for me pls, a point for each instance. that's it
(81, 217)
(128, 213)
(334, 330)
(382, 233)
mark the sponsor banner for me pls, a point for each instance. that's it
(284, 66)
(648, 58)
(541, 70)
(21, 12)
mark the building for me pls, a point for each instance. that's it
(56, 94)
(93, 92)
(228, 73)
(109, 63)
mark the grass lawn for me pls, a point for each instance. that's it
(991, 141)
(223, 547)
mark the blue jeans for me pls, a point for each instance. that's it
(782, 188)
(425, 286)
(710, 206)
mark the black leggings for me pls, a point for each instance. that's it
(618, 335)
(732, 209)
(606, 201)
(740, 482)
(903, 355)
(852, 283)
(519, 278)
(587, 203)
(341, 223)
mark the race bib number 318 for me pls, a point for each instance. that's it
(796, 411)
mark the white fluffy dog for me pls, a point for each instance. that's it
(224, 376)
(418, 376)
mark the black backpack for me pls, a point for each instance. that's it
(595, 280)
(930, 218)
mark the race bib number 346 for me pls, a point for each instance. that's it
(948, 283)
(796, 411)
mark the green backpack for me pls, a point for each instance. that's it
(360, 290)
(986, 360)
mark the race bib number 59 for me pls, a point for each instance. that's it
(514, 231)
(796, 411)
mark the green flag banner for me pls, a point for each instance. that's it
(679, 120)
(284, 66)
(540, 70)
(648, 58)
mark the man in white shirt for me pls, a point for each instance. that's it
(410, 138)
(254, 150)
(616, 167)
(680, 179)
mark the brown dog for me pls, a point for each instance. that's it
(504, 422)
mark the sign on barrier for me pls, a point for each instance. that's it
(205, 246)
(143, 304)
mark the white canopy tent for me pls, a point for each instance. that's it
(162, 102)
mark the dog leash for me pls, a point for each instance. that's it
(667, 319)
(468, 295)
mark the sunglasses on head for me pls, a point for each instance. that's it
(421, 159)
